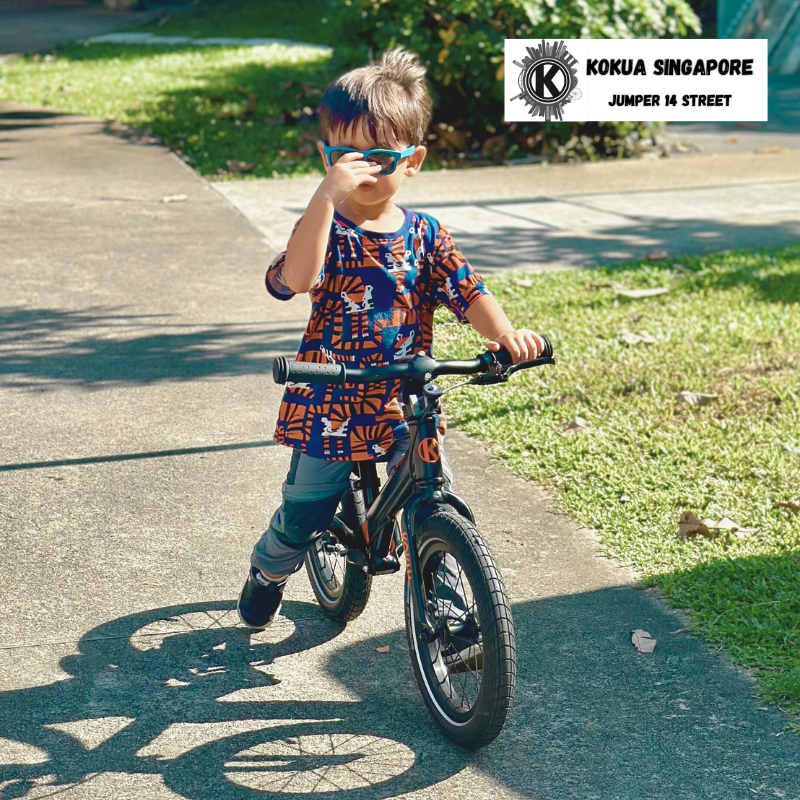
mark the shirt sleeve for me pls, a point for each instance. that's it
(454, 283)
(274, 280)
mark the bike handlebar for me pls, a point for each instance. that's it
(422, 368)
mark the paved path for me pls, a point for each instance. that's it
(136, 472)
(539, 218)
(27, 26)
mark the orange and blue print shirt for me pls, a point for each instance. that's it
(372, 304)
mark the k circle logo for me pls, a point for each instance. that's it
(548, 80)
(428, 450)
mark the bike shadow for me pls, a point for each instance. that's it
(187, 693)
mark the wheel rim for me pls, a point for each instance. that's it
(453, 662)
(329, 558)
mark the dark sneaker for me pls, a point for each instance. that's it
(260, 600)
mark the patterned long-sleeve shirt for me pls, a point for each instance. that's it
(372, 304)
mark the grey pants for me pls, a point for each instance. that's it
(311, 495)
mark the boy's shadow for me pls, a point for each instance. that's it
(155, 693)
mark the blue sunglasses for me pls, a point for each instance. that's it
(388, 159)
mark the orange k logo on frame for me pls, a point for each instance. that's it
(428, 450)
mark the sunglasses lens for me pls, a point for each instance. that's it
(386, 162)
(336, 155)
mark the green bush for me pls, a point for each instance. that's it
(461, 42)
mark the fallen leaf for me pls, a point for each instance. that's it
(790, 506)
(680, 630)
(384, 649)
(642, 641)
(239, 166)
(731, 140)
(638, 294)
(175, 198)
(690, 525)
(657, 255)
(773, 149)
(636, 337)
(696, 398)
(576, 426)
(523, 282)
(624, 499)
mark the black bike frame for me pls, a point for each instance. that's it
(416, 484)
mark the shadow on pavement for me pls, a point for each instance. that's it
(20, 120)
(44, 348)
(514, 246)
(182, 693)
(184, 451)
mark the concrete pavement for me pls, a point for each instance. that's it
(537, 217)
(27, 26)
(136, 473)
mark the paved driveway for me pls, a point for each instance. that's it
(137, 471)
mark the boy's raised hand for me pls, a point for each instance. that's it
(524, 345)
(348, 173)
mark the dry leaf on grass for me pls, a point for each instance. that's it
(384, 649)
(691, 525)
(175, 198)
(523, 282)
(696, 398)
(635, 337)
(239, 166)
(790, 506)
(639, 294)
(642, 641)
(576, 426)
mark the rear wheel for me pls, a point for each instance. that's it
(340, 586)
(467, 672)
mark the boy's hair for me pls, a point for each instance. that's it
(389, 98)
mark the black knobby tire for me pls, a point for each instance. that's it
(340, 586)
(475, 716)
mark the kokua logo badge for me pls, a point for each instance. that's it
(548, 80)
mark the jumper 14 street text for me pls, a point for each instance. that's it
(670, 100)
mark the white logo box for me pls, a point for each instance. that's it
(603, 80)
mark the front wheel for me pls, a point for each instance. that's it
(467, 672)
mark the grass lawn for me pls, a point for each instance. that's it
(250, 106)
(730, 326)
(306, 21)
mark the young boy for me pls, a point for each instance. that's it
(375, 272)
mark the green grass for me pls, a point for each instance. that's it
(307, 21)
(730, 326)
(210, 104)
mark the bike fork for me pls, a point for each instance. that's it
(427, 632)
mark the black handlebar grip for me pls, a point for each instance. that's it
(504, 357)
(306, 371)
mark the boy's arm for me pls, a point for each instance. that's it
(486, 316)
(307, 248)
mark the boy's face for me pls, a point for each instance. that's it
(387, 185)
